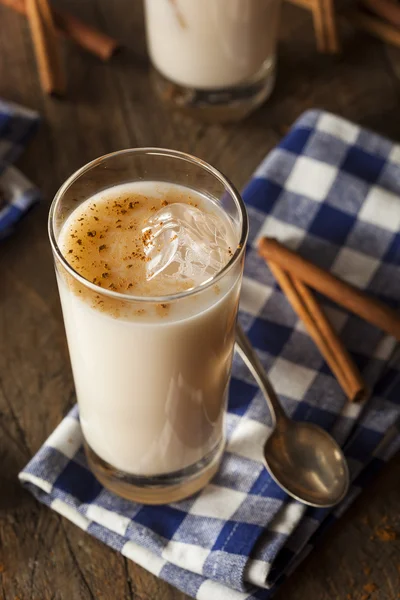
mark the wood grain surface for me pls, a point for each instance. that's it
(108, 107)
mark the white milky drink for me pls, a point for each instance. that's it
(148, 247)
(211, 44)
(151, 379)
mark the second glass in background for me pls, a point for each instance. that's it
(213, 58)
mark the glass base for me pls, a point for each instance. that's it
(160, 489)
(217, 105)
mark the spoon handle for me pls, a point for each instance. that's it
(250, 358)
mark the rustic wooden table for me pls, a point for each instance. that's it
(109, 107)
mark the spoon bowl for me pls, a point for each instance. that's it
(307, 463)
(301, 457)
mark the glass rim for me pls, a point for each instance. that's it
(156, 152)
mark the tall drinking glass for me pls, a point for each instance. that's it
(213, 58)
(151, 372)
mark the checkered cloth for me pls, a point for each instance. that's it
(330, 190)
(17, 194)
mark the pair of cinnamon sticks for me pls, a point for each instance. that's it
(388, 10)
(325, 24)
(46, 26)
(47, 49)
(380, 18)
(325, 28)
(294, 274)
(383, 24)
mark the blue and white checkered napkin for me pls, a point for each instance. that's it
(17, 194)
(331, 191)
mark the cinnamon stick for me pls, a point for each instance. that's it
(319, 26)
(307, 4)
(338, 290)
(98, 43)
(373, 25)
(321, 331)
(390, 11)
(46, 46)
(68, 26)
(355, 386)
(331, 30)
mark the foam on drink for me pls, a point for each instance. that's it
(147, 239)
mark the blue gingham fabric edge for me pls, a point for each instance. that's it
(17, 193)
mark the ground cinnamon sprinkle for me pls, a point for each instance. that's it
(386, 534)
(162, 309)
(101, 245)
(146, 237)
(368, 589)
(383, 533)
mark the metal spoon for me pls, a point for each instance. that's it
(301, 457)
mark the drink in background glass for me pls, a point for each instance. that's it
(214, 58)
(149, 247)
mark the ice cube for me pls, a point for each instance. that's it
(185, 243)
